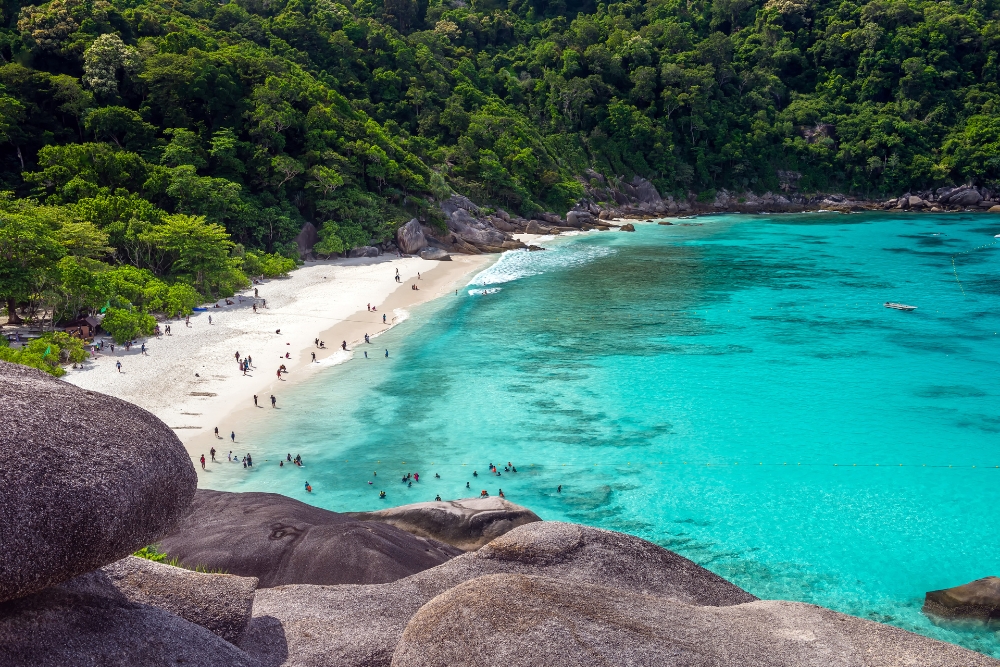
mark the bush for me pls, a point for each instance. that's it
(125, 325)
(267, 265)
(180, 300)
(46, 353)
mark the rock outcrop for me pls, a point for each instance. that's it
(437, 254)
(85, 480)
(522, 621)
(355, 625)
(306, 239)
(977, 601)
(628, 227)
(410, 238)
(282, 541)
(60, 626)
(363, 251)
(468, 524)
(220, 603)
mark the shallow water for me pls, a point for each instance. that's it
(731, 389)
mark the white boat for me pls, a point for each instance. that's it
(899, 306)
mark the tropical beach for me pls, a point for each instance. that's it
(191, 379)
(506, 333)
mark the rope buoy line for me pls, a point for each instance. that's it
(964, 252)
(712, 464)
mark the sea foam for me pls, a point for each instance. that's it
(516, 264)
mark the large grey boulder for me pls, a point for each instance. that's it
(644, 191)
(363, 251)
(283, 541)
(535, 227)
(438, 254)
(220, 603)
(62, 627)
(968, 197)
(410, 238)
(579, 219)
(306, 239)
(523, 621)
(85, 480)
(467, 524)
(341, 626)
(977, 601)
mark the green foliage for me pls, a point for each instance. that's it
(267, 265)
(261, 116)
(46, 353)
(125, 325)
(151, 553)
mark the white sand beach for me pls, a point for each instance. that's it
(191, 379)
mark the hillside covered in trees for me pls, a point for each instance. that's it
(173, 137)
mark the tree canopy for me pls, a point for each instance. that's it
(183, 132)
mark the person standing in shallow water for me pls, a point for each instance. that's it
(212, 452)
(202, 461)
(387, 353)
(232, 436)
(273, 400)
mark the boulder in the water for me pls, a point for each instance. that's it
(628, 227)
(283, 541)
(85, 479)
(467, 524)
(977, 601)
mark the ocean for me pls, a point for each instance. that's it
(728, 387)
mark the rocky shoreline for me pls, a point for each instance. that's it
(471, 229)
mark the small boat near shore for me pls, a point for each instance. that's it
(899, 306)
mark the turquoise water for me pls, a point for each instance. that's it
(733, 390)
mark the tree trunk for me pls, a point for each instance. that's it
(12, 316)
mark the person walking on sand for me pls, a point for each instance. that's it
(383, 318)
(212, 452)
(202, 461)
(119, 365)
(273, 401)
(144, 349)
(313, 355)
(255, 401)
(232, 436)
(343, 346)
(217, 432)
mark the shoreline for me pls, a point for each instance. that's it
(191, 379)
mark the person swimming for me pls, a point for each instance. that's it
(381, 494)
(308, 488)
(438, 497)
